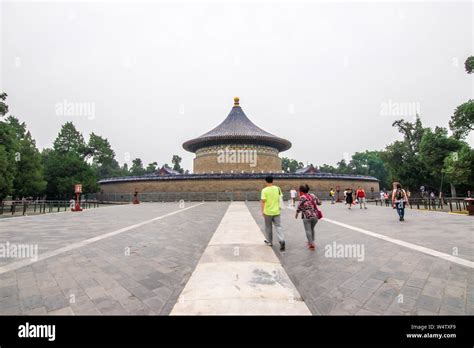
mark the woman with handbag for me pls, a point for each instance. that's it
(309, 213)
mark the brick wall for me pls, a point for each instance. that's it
(234, 185)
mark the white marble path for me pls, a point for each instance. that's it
(239, 274)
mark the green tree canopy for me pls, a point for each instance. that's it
(151, 168)
(435, 146)
(469, 64)
(21, 171)
(370, 163)
(458, 167)
(65, 164)
(137, 167)
(69, 140)
(290, 165)
(462, 121)
(3, 105)
(176, 161)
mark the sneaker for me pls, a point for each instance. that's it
(282, 246)
(402, 219)
(312, 246)
(268, 243)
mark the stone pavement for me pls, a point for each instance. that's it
(239, 274)
(137, 259)
(139, 271)
(390, 279)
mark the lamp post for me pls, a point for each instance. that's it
(77, 191)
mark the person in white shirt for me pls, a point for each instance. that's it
(293, 194)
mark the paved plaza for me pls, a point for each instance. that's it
(209, 258)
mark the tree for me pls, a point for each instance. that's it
(21, 171)
(462, 121)
(65, 164)
(290, 165)
(176, 161)
(326, 168)
(370, 163)
(69, 140)
(343, 167)
(125, 170)
(137, 167)
(29, 180)
(6, 179)
(458, 167)
(469, 64)
(402, 157)
(435, 146)
(8, 150)
(98, 150)
(151, 168)
(3, 106)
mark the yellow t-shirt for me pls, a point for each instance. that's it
(271, 195)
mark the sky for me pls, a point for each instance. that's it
(331, 77)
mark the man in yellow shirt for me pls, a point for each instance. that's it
(270, 205)
(332, 194)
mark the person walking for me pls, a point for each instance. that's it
(293, 194)
(349, 198)
(360, 193)
(399, 200)
(270, 206)
(309, 213)
(332, 195)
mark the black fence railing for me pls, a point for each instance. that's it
(445, 204)
(42, 207)
(192, 196)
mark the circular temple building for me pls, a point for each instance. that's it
(237, 145)
(231, 163)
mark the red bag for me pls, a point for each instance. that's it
(319, 213)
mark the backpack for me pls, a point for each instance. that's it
(399, 194)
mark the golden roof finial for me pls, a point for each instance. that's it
(236, 101)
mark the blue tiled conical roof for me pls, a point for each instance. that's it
(237, 128)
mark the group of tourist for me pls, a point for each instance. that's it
(272, 203)
(360, 197)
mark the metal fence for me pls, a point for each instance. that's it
(451, 204)
(42, 207)
(190, 196)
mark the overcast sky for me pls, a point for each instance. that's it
(329, 77)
